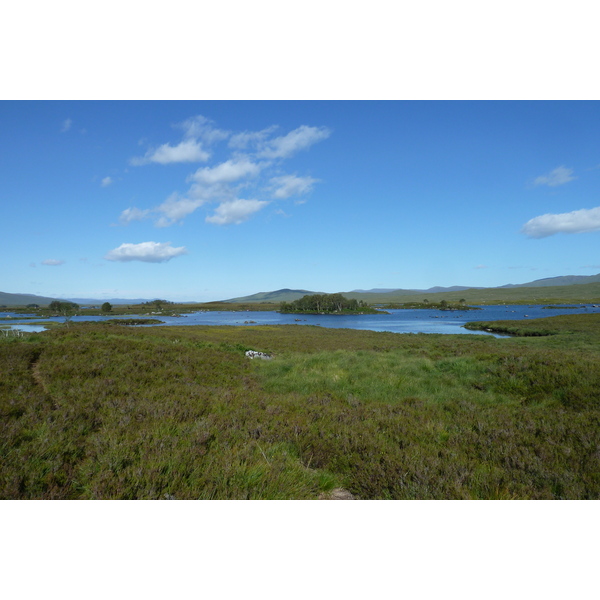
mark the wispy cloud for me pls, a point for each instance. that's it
(558, 176)
(253, 165)
(185, 151)
(52, 262)
(577, 221)
(66, 125)
(199, 134)
(152, 252)
(291, 185)
(106, 181)
(201, 128)
(228, 171)
(235, 211)
(174, 209)
(250, 139)
(133, 214)
(299, 139)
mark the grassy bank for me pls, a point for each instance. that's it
(105, 411)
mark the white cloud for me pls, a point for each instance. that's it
(174, 209)
(235, 211)
(186, 151)
(106, 181)
(200, 127)
(228, 171)
(52, 262)
(299, 139)
(153, 252)
(198, 132)
(133, 214)
(480, 267)
(66, 125)
(558, 176)
(291, 185)
(222, 183)
(242, 140)
(578, 221)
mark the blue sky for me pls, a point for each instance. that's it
(207, 200)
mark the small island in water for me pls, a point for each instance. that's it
(328, 304)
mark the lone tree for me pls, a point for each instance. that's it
(106, 307)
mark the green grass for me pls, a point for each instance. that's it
(106, 411)
(564, 294)
(584, 326)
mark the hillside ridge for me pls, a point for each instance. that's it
(373, 295)
(390, 294)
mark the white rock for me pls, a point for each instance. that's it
(256, 354)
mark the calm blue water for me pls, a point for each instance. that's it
(398, 321)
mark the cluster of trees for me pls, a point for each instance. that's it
(158, 303)
(66, 309)
(323, 303)
(63, 307)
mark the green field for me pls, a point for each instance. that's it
(104, 411)
(543, 294)
(571, 294)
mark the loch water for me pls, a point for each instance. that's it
(396, 321)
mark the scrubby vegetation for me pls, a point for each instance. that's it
(104, 411)
(587, 326)
(134, 321)
(326, 304)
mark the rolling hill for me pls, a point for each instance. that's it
(284, 295)
(553, 281)
(569, 288)
(24, 299)
(588, 292)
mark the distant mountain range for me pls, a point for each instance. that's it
(95, 301)
(289, 295)
(25, 299)
(433, 290)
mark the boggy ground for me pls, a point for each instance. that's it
(104, 411)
